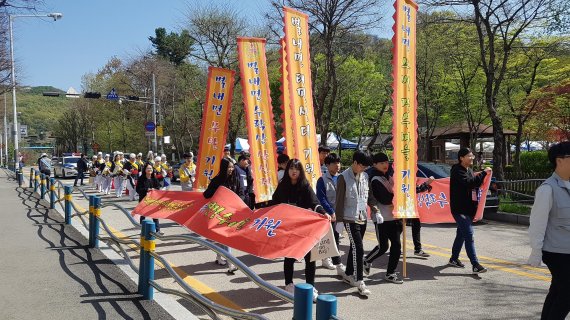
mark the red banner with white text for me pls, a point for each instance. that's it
(433, 206)
(275, 232)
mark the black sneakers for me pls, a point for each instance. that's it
(456, 263)
(421, 253)
(479, 269)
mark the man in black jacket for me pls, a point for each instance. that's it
(463, 198)
(81, 169)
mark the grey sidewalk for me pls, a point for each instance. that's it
(46, 273)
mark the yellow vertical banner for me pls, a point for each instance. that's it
(287, 112)
(298, 61)
(259, 116)
(215, 124)
(404, 130)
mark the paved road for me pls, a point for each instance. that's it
(47, 271)
(510, 290)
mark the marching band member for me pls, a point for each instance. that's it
(187, 172)
(131, 169)
(117, 174)
(105, 171)
(168, 169)
(159, 172)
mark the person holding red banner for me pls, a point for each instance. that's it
(228, 178)
(549, 231)
(350, 209)
(294, 189)
(326, 193)
(463, 198)
(146, 182)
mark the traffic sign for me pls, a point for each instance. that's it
(159, 131)
(112, 95)
(150, 126)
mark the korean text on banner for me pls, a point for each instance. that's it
(274, 232)
(300, 91)
(259, 116)
(287, 115)
(404, 129)
(434, 207)
(214, 124)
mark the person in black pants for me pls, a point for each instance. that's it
(388, 229)
(549, 232)
(81, 169)
(294, 189)
(145, 183)
(463, 199)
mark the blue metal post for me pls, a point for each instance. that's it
(31, 177)
(142, 257)
(326, 306)
(303, 303)
(36, 181)
(67, 197)
(148, 275)
(43, 186)
(52, 193)
(94, 228)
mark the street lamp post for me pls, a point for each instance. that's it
(55, 17)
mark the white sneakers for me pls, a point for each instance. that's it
(220, 260)
(327, 263)
(349, 279)
(232, 268)
(362, 289)
(291, 289)
(340, 269)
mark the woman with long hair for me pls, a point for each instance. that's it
(226, 177)
(294, 189)
(146, 182)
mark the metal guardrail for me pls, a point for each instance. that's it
(205, 304)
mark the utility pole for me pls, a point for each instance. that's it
(5, 130)
(154, 113)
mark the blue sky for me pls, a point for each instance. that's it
(91, 32)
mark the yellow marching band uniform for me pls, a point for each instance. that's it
(119, 173)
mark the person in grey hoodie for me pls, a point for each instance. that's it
(549, 232)
(350, 209)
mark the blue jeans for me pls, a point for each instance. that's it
(464, 235)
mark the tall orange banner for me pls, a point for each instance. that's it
(259, 116)
(287, 115)
(215, 119)
(296, 25)
(404, 130)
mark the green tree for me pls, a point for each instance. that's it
(174, 47)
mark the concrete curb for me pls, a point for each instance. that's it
(509, 218)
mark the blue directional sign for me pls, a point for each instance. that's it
(150, 126)
(112, 95)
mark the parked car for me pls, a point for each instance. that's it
(65, 166)
(443, 170)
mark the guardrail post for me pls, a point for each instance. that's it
(326, 306)
(142, 257)
(31, 177)
(148, 260)
(67, 197)
(36, 181)
(303, 303)
(94, 226)
(52, 193)
(43, 186)
(91, 206)
(20, 178)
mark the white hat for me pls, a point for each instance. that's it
(94, 157)
(132, 155)
(140, 154)
(107, 155)
(158, 159)
(99, 153)
(44, 154)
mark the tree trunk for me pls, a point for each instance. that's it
(518, 140)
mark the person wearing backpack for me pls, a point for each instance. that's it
(45, 164)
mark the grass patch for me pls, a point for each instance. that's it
(514, 208)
